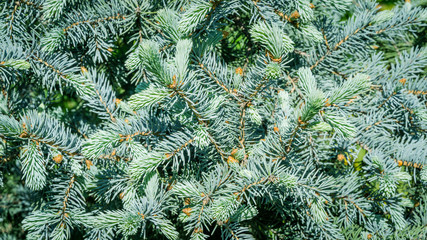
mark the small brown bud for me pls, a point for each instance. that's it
(57, 158)
(122, 195)
(187, 211)
(295, 14)
(341, 157)
(300, 121)
(231, 160)
(234, 151)
(403, 81)
(88, 163)
(225, 34)
(83, 69)
(278, 60)
(173, 85)
(239, 71)
(24, 134)
(170, 186)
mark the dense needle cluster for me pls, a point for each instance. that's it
(222, 119)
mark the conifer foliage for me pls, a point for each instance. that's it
(222, 119)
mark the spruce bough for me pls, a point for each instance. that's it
(235, 119)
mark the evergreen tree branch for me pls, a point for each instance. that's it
(93, 22)
(64, 214)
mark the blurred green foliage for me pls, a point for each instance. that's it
(14, 206)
